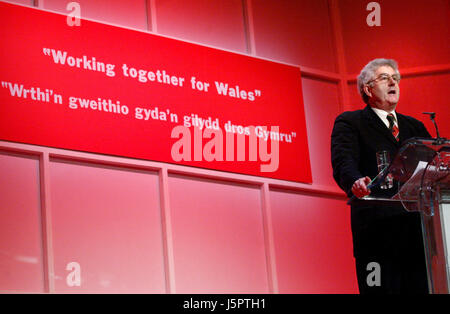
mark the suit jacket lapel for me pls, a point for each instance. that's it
(375, 122)
(402, 127)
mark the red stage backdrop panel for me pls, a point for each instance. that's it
(110, 90)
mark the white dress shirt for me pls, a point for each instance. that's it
(383, 116)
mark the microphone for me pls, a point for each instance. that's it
(432, 116)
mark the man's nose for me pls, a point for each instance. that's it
(391, 81)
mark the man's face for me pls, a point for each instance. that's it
(383, 92)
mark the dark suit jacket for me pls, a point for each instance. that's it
(356, 137)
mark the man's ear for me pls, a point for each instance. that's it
(367, 90)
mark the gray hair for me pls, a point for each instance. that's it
(368, 73)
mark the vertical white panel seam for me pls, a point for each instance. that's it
(339, 51)
(166, 228)
(249, 29)
(46, 222)
(269, 242)
(153, 16)
(39, 3)
(146, 15)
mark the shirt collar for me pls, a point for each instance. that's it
(383, 114)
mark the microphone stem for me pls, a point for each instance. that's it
(437, 130)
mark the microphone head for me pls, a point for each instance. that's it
(432, 114)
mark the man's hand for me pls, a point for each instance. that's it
(359, 188)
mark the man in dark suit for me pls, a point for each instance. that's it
(386, 239)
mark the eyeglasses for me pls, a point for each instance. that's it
(384, 78)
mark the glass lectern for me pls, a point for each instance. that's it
(421, 168)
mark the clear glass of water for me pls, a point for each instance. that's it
(383, 160)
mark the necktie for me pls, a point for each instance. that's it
(392, 127)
